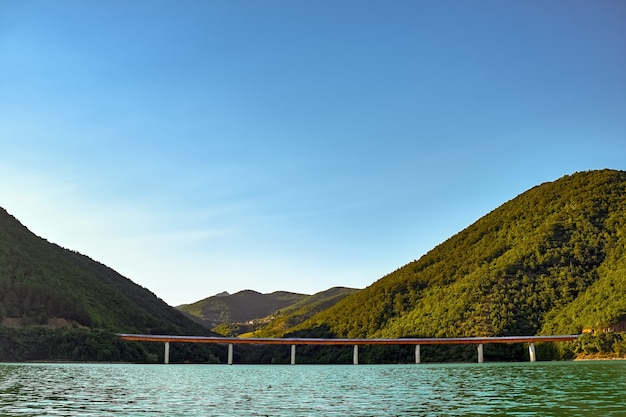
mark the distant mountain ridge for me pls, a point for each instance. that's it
(252, 314)
(240, 307)
(296, 313)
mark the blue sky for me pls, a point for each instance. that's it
(207, 146)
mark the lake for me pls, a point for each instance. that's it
(593, 388)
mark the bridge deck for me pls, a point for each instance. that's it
(315, 341)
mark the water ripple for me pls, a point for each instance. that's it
(528, 389)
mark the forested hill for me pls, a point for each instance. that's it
(42, 284)
(552, 260)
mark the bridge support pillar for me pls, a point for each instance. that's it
(355, 355)
(293, 354)
(531, 352)
(230, 353)
(166, 353)
(418, 359)
(481, 357)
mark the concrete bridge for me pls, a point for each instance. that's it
(417, 342)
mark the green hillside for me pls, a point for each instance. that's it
(55, 292)
(552, 260)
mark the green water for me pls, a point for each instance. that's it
(511, 389)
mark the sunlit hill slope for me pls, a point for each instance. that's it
(552, 260)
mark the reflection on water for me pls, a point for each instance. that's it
(517, 389)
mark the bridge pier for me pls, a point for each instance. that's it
(481, 357)
(355, 355)
(418, 359)
(230, 353)
(166, 353)
(293, 354)
(531, 352)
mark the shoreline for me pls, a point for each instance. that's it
(599, 358)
